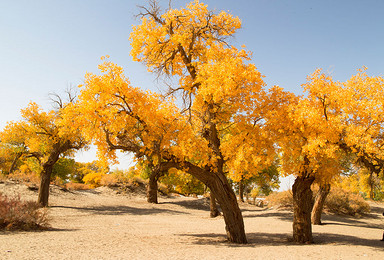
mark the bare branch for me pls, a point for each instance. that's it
(153, 10)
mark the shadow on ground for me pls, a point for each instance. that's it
(45, 229)
(198, 204)
(268, 239)
(121, 210)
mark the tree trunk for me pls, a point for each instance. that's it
(302, 207)
(318, 206)
(220, 187)
(42, 198)
(371, 186)
(13, 165)
(231, 211)
(214, 212)
(241, 191)
(152, 188)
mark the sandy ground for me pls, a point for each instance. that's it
(100, 224)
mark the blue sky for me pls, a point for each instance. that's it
(46, 46)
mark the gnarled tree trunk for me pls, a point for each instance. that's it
(231, 211)
(45, 180)
(318, 206)
(58, 149)
(302, 208)
(152, 189)
(152, 186)
(214, 212)
(222, 190)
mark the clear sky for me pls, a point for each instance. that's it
(46, 46)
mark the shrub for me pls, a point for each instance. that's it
(76, 186)
(25, 176)
(340, 201)
(18, 215)
(282, 199)
(109, 180)
(93, 179)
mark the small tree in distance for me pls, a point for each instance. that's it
(46, 136)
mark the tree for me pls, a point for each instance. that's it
(46, 136)
(308, 138)
(362, 104)
(318, 205)
(220, 89)
(12, 146)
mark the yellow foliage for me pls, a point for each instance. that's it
(93, 179)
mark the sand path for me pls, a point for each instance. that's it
(101, 224)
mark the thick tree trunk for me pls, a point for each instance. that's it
(42, 198)
(318, 206)
(302, 207)
(220, 187)
(231, 211)
(214, 212)
(241, 191)
(152, 188)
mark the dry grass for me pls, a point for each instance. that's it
(21, 215)
(342, 202)
(338, 202)
(76, 186)
(282, 200)
(23, 177)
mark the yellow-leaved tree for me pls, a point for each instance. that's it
(222, 93)
(221, 89)
(45, 136)
(362, 104)
(12, 147)
(308, 138)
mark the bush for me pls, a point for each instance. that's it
(25, 176)
(93, 179)
(18, 215)
(338, 201)
(109, 180)
(76, 186)
(282, 199)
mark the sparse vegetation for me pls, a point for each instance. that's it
(338, 201)
(21, 215)
(343, 202)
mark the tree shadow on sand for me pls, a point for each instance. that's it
(327, 219)
(347, 221)
(44, 229)
(269, 239)
(197, 204)
(122, 210)
(281, 215)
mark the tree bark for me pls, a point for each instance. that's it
(152, 188)
(318, 206)
(58, 149)
(214, 212)
(241, 191)
(222, 190)
(302, 207)
(231, 211)
(371, 186)
(13, 165)
(42, 198)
